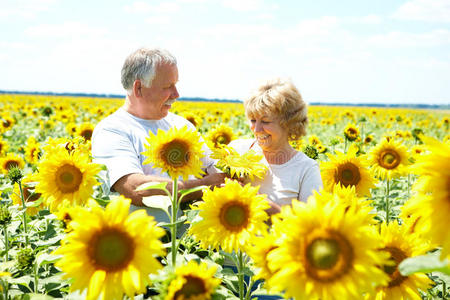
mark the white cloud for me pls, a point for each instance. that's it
(159, 20)
(28, 9)
(369, 19)
(398, 39)
(142, 7)
(65, 30)
(243, 5)
(424, 10)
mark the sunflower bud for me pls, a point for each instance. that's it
(5, 215)
(15, 175)
(25, 259)
(416, 132)
(311, 152)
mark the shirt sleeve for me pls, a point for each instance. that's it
(115, 150)
(311, 181)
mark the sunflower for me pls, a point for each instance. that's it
(77, 144)
(193, 281)
(85, 130)
(321, 148)
(368, 139)
(314, 140)
(71, 128)
(193, 118)
(347, 170)
(28, 194)
(66, 177)
(432, 193)
(9, 161)
(262, 246)
(230, 216)
(109, 251)
(3, 146)
(248, 165)
(6, 123)
(400, 244)
(351, 132)
(32, 150)
(219, 136)
(64, 214)
(389, 159)
(176, 151)
(326, 250)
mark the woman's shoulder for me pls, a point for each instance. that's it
(302, 159)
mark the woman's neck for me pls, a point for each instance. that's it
(279, 156)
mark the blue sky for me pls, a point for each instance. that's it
(359, 51)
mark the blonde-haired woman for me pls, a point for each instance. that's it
(278, 114)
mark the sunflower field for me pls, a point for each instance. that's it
(379, 229)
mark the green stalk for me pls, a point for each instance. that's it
(5, 229)
(4, 284)
(249, 290)
(241, 275)
(387, 202)
(27, 241)
(345, 145)
(35, 277)
(174, 219)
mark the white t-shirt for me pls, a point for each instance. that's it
(295, 179)
(119, 140)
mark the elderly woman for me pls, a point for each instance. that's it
(277, 114)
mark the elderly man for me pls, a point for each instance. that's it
(149, 76)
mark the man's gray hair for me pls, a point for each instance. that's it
(142, 65)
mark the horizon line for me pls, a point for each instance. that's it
(118, 96)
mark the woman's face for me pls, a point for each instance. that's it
(269, 133)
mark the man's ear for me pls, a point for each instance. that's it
(137, 91)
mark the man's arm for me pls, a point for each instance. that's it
(128, 184)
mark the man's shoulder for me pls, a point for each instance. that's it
(177, 121)
(113, 118)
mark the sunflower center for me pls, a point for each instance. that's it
(68, 178)
(6, 123)
(87, 134)
(234, 216)
(328, 256)
(11, 164)
(389, 159)
(222, 140)
(192, 287)
(192, 120)
(397, 256)
(347, 174)
(175, 153)
(111, 249)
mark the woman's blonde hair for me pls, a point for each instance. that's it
(280, 98)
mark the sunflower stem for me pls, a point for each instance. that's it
(5, 229)
(174, 219)
(27, 241)
(345, 145)
(35, 277)
(387, 202)
(249, 290)
(241, 275)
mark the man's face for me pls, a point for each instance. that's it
(157, 99)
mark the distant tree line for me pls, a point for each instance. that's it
(200, 99)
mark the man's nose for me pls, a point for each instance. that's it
(175, 93)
